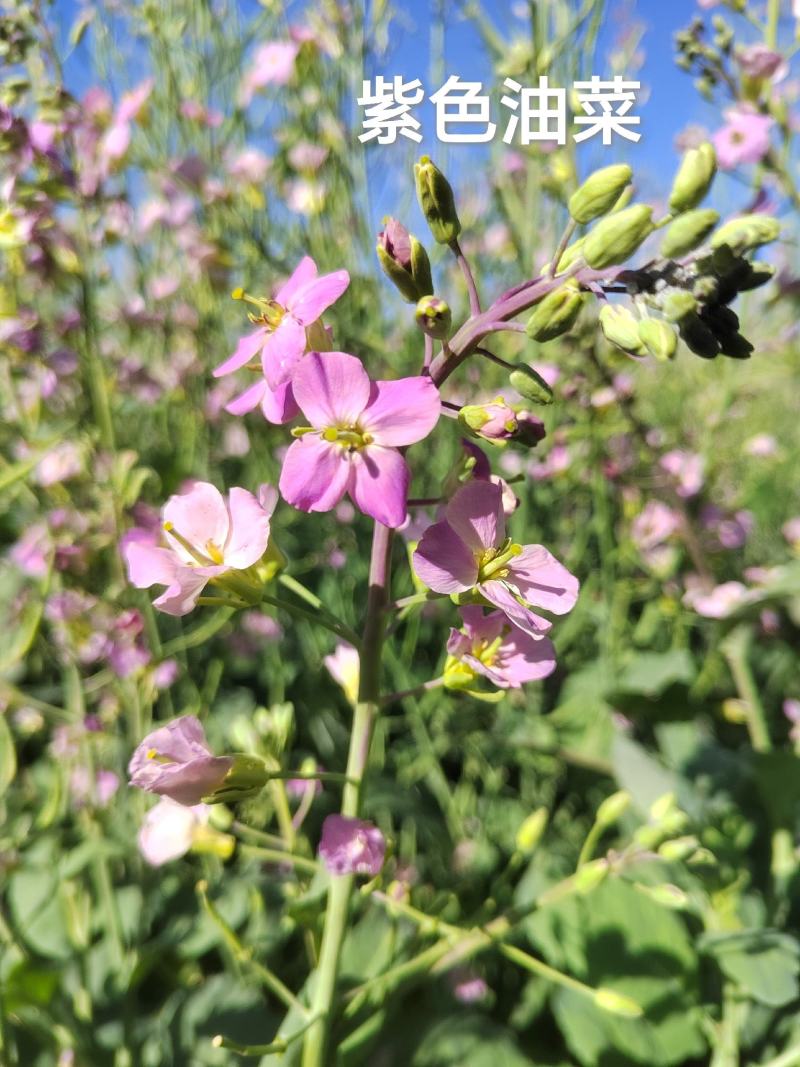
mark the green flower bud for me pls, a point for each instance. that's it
(247, 777)
(530, 832)
(678, 304)
(617, 236)
(706, 289)
(555, 314)
(433, 317)
(531, 385)
(663, 806)
(599, 193)
(666, 894)
(694, 178)
(570, 254)
(617, 1004)
(688, 231)
(659, 338)
(747, 233)
(679, 849)
(404, 261)
(590, 875)
(613, 808)
(436, 199)
(620, 327)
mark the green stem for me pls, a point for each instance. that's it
(319, 616)
(736, 649)
(773, 18)
(315, 1047)
(275, 855)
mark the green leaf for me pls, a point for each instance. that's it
(644, 777)
(763, 963)
(37, 912)
(651, 673)
(468, 1039)
(17, 640)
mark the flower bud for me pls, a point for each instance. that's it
(666, 894)
(698, 337)
(620, 327)
(590, 875)
(404, 261)
(617, 1004)
(247, 777)
(570, 254)
(760, 274)
(531, 385)
(530, 832)
(617, 236)
(436, 199)
(694, 178)
(555, 314)
(599, 193)
(678, 304)
(612, 808)
(659, 338)
(688, 231)
(499, 422)
(433, 317)
(678, 849)
(747, 233)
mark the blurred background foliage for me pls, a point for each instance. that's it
(114, 308)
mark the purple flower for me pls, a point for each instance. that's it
(175, 761)
(489, 645)
(743, 139)
(281, 340)
(469, 550)
(351, 846)
(687, 468)
(654, 525)
(717, 603)
(760, 61)
(352, 443)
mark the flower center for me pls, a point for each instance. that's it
(270, 312)
(351, 438)
(486, 651)
(210, 556)
(493, 562)
(156, 757)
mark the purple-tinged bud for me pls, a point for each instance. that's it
(404, 261)
(498, 422)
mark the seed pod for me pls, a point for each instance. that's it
(436, 199)
(688, 231)
(659, 338)
(620, 327)
(433, 317)
(531, 385)
(616, 237)
(694, 178)
(555, 314)
(599, 193)
(747, 233)
(678, 304)
(404, 261)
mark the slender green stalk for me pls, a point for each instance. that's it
(736, 648)
(773, 19)
(276, 855)
(319, 616)
(316, 1043)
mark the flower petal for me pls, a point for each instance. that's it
(180, 597)
(248, 348)
(443, 562)
(278, 405)
(402, 412)
(379, 486)
(283, 349)
(249, 530)
(247, 400)
(331, 388)
(199, 516)
(544, 581)
(476, 514)
(315, 474)
(500, 595)
(308, 303)
(304, 272)
(523, 658)
(148, 564)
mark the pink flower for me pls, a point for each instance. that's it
(352, 444)
(719, 602)
(175, 761)
(469, 550)
(281, 339)
(791, 709)
(490, 646)
(344, 667)
(654, 524)
(273, 64)
(687, 469)
(208, 537)
(32, 552)
(743, 139)
(761, 445)
(118, 137)
(351, 846)
(759, 61)
(169, 829)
